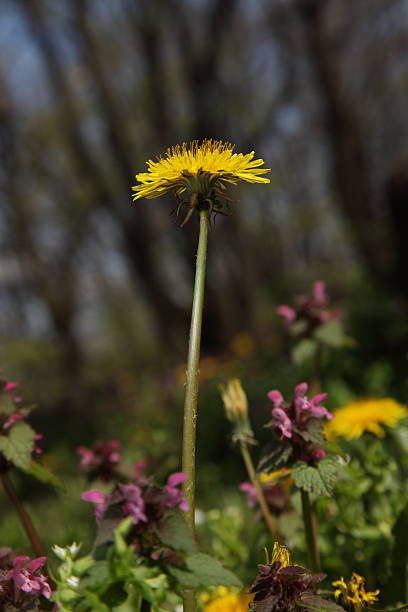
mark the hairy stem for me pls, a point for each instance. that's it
(310, 523)
(23, 516)
(191, 397)
(269, 520)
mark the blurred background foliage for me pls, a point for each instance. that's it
(96, 291)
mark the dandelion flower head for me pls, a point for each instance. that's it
(354, 591)
(369, 414)
(226, 601)
(198, 167)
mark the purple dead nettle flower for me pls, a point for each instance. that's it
(174, 497)
(312, 310)
(101, 460)
(293, 421)
(20, 580)
(26, 576)
(142, 501)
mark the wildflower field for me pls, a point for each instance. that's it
(203, 333)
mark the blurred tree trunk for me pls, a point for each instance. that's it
(136, 228)
(351, 173)
(52, 281)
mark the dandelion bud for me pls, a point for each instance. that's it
(236, 410)
(235, 400)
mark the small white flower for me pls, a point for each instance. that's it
(73, 581)
(74, 548)
(59, 552)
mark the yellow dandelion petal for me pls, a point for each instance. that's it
(214, 159)
(369, 414)
(229, 603)
(280, 553)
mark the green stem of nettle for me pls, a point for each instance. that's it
(191, 397)
(310, 523)
(269, 520)
(23, 516)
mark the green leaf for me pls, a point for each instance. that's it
(314, 431)
(275, 455)
(186, 578)
(18, 445)
(317, 480)
(96, 576)
(298, 327)
(315, 602)
(303, 351)
(331, 333)
(42, 473)
(114, 595)
(173, 531)
(210, 572)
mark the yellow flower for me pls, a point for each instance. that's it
(354, 592)
(235, 400)
(279, 553)
(228, 602)
(236, 410)
(199, 167)
(362, 415)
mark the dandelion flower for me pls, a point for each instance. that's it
(201, 169)
(193, 164)
(369, 414)
(233, 602)
(354, 592)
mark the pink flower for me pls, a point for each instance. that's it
(250, 491)
(282, 422)
(98, 498)
(10, 386)
(13, 418)
(87, 456)
(318, 411)
(276, 397)
(287, 313)
(134, 503)
(174, 497)
(27, 580)
(319, 294)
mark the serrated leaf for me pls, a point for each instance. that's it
(173, 531)
(314, 431)
(42, 473)
(210, 572)
(96, 576)
(315, 602)
(303, 351)
(275, 455)
(331, 333)
(18, 445)
(318, 479)
(186, 578)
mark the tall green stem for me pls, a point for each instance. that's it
(23, 516)
(310, 523)
(191, 397)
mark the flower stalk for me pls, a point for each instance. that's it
(192, 382)
(23, 516)
(311, 532)
(270, 523)
(193, 362)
